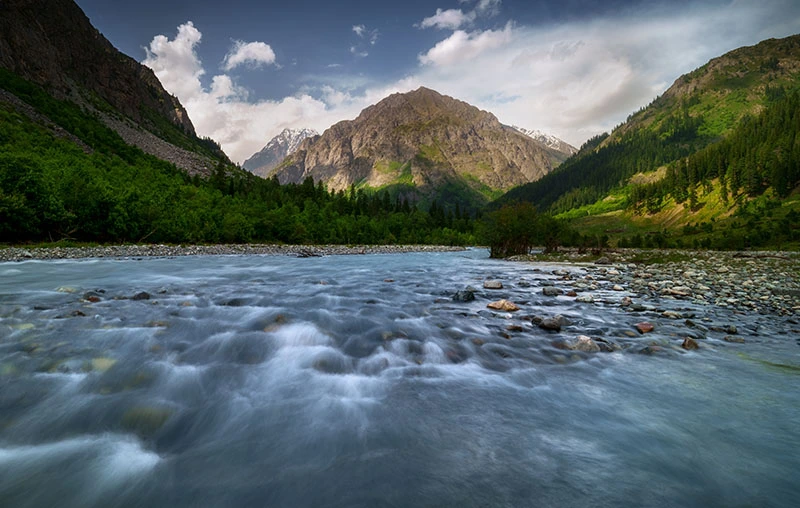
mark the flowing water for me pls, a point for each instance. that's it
(358, 381)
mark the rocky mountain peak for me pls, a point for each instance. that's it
(426, 143)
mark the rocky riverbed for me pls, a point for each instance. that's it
(733, 297)
(745, 282)
(142, 251)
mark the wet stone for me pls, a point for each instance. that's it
(732, 339)
(582, 343)
(690, 344)
(645, 327)
(492, 284)
(503, 305)
(553, 323)
(141, 296)
(464, 295)
(552, 291)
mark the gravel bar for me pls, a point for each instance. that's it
(142, 251)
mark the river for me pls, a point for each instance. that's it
(357, 381)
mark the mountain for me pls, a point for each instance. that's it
(276, 150)
(720, 139)
(53, 44)
(548, 140)
(425, 146)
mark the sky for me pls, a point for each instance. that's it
(247, 69)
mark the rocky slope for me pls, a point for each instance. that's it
(54, 45)
(276, 150)
(431, 146)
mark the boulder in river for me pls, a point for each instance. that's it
(552, 291)
(503, 305)
(553, 323)
(690, 344)
(144, 295)
(645, 327)
(492, 284)
(582, 343)
(465, 295)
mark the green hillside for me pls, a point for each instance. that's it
(719, 138)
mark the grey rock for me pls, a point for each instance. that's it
(464, 295)
(552, 291)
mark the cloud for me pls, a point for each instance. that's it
(224, 110)
(358, 52)
(253, 54)
(488, 7)
(371, 36)
(175, 62)
(451, 19)
(463, 46)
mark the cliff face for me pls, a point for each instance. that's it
(425, 140)
(52, 43)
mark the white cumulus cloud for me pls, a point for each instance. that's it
(451, 19)
(254, 54)
(463, 46)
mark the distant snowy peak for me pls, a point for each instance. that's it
(277, 149)
(290, 139)
(548, 140)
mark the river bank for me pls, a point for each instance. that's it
(745, 282)
(142, 251)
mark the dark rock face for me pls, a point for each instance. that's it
(53, 44)
(424, 139)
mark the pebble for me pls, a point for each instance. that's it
(645, 327)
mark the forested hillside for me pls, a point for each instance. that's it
(69, 177)
(718, 138)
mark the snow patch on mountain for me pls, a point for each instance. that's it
(548, 140)
(277, 149)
